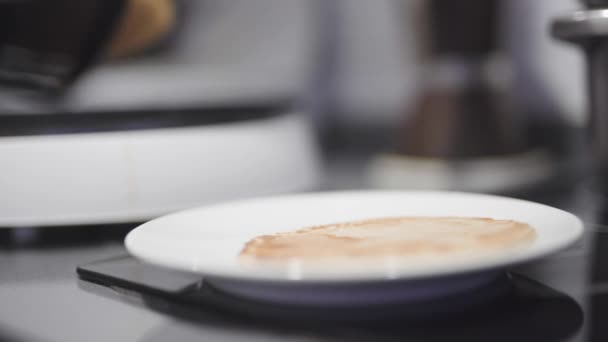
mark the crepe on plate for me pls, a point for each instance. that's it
(396, 237)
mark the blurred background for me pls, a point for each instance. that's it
(132, 109)
(114, 112)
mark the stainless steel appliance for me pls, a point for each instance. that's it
(589, 29)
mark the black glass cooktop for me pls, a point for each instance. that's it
(561, 298)
(512, 308)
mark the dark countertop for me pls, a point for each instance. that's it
(43, 299)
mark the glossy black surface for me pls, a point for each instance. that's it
(513, 307)
(45, 45)
(563, 297)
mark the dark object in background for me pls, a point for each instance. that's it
(595, 3)
(45, 45)
(459, 113)
(465, 28)
(471, 122)
(467, 130)
(589, 28)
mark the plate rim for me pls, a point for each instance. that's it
(576, 225)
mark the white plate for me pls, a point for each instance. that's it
(208, 240)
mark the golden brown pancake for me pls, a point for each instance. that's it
(398, 236)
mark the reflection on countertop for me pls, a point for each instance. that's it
(564, 296)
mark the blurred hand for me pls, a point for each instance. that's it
(144, 23)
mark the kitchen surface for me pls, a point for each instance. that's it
(562, 297)
(135, 109)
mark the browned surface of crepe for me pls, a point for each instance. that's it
(399, 236)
